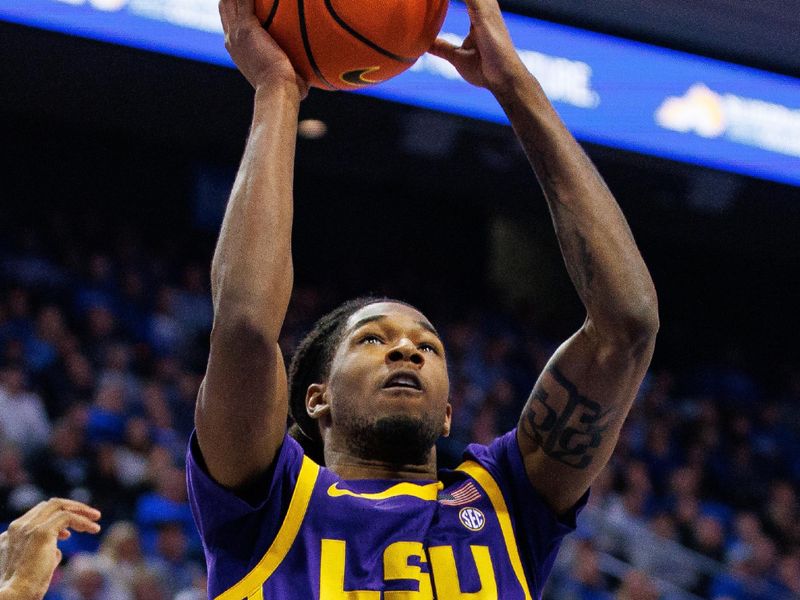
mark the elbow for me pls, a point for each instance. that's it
(634, 327)
(643, 321)
(640, 326)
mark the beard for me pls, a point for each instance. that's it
(397, 439)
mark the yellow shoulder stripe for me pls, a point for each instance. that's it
(489, 485)
(429, 491)
(251, 586)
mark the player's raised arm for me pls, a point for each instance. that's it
(571, 422)
(242, 405)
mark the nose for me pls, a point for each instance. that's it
(405, 350)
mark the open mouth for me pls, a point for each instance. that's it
(403, 380)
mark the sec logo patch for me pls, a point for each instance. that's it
(472, 518)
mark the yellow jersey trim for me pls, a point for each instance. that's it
(251, 585)
(489, 485)
(428, 491)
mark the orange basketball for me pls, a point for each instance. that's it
(348, 44)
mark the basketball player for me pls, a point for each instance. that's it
(368, 388)
(28, 552)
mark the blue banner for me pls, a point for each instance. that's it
(609, 91)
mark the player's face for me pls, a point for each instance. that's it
(389, 378)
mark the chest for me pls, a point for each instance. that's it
(396, 546)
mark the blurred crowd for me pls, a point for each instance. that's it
(102, 353)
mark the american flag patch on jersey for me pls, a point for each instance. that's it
(461, 495)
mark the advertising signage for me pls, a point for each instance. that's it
(608, 90)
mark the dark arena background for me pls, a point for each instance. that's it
(115, 171)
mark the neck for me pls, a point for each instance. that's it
(348, 466)
(394, 447)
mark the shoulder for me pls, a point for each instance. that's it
(527, 521)
(502, 458)
(245, 523)
(500, 464)
(212, 502)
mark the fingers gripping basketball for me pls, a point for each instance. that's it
(347, 44)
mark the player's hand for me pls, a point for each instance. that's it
(28, 552)
(257, 55)
(487, 57)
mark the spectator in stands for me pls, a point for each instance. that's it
(62, 468)
(172, 557)
(192, 302)
(19, 321)
(709, 537)
(106, 418)
(168, 503)
(41, 349)
(98, 288)
(101, 331)
(134, 305)
(747, 532)
(86, 578)
(131, 459)
(149, 584)
(108, 493)
(160, 417)
(752, 574)
(588, 582)
(629, 509)
(789, 574)
(182, 400)
(166, 334)
(198, 590)
(17, 492)
(659, 454)
(496, 412)
(68, 382)
(780, 515)
(23, 419)
(637, 586)
(122, 555)
(116, 371)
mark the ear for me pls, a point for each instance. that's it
(316, 401)
(448, 417)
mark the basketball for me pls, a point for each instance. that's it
(349, 44)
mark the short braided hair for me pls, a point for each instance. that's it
(311, 363)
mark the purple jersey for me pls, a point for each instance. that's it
(480, 532)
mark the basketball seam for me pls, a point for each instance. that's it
(344, 25)
(307, 45)
(271, 15)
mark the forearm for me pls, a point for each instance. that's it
(598, 248)
(251, 273)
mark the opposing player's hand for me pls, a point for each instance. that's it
(257, 55)
(28, 552)
(487, 57)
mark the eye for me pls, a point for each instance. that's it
(426, 347)
(370, 338)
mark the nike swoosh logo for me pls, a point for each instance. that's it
(357, 76)
(429, 491)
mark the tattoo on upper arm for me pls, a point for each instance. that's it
(565, 431)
